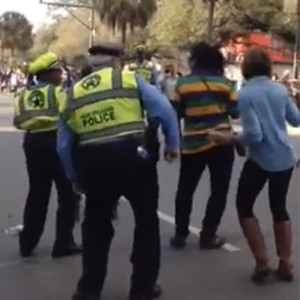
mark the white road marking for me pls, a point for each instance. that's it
(24, 261)
(10, 264)
(9, 129)
(195, 231)
(162, 216)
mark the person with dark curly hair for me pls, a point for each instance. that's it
(207, 100)
(264, 107)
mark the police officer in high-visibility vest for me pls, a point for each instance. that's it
(37, 112)
(143, 67)
(146, 70)
(101, 143)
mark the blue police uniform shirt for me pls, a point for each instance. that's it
(157, 108)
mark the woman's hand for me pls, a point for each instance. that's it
(221, 137)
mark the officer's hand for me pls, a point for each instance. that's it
(171, 155)
(77, 189)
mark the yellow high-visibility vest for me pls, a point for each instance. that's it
(36, 109)
(143, 70)
(104, 106)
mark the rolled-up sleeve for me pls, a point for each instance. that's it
(252, 131)
(158, 107)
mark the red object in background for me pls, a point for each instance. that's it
(278, 49)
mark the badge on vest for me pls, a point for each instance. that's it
(91, 82)
(98, 117)
(37, 99)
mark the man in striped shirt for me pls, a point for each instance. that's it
(207, 100)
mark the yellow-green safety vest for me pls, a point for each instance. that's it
(36, 109)
(104, 106)
(143, 70)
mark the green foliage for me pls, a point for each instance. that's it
(182, 22)
(177, 23)
(165, 24)
(15, 32)
(44, 38)
(121, 15)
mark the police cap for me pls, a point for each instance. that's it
(45, 62)
(140, 48)
(111, 49)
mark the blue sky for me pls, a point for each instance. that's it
(34, 11)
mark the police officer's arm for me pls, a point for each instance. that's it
(65, 140)
(158, 107)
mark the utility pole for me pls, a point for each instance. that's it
(297, 45)
(292, 7)
(91, 26)
(211, 13)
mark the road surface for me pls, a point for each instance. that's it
(190, 274)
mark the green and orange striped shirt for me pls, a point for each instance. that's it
(208, 102)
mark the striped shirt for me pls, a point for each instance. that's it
(207, 101)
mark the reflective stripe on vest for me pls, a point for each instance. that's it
(143, 70)
(117, 93)
(133, 128)
(25, 114)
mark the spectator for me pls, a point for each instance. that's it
(265, 106)
(206, 100)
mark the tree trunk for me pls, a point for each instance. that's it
(2, 54)
(211, 12)
(124, 33)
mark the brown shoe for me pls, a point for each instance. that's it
(257, 246)
(283, 239)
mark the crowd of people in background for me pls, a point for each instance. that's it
(165, 77)
(15, 78)
(11, 80)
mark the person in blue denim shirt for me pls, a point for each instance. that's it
(265, 107)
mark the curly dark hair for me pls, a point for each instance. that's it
(204, 56)
(257, 62)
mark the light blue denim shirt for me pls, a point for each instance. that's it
(265, 107)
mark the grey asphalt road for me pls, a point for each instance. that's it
(190, 274)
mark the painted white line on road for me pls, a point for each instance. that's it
(10, 264)
(164, 217)
(9, 129)
(195, 231)
(24, 261)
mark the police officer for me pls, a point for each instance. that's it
(101, 142)
(36, 112)
(143, 67)
(146, 70)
